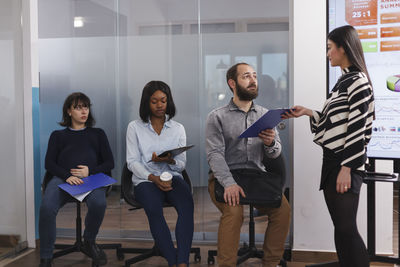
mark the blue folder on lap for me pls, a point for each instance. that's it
(268, 121)
(89, 183)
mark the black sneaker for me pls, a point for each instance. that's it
(45, 263)
(97, 254)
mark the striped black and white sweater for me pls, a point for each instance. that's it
(345, 123)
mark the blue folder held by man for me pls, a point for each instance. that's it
(268, 121)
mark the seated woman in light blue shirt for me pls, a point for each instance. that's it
(145, 139)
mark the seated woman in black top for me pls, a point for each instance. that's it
(73, 153)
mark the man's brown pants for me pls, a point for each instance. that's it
(231, 222)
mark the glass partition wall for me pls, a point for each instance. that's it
(111, 49)
(13, 224)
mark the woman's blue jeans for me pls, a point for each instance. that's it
(152, 200)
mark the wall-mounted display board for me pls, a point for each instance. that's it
(378, 26)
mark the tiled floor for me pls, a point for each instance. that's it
(80, 260)
(118, 217)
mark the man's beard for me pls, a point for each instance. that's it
(246, 95)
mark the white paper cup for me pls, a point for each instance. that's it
(166, 177)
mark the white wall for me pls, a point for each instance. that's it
(30, 79)
(312, 226)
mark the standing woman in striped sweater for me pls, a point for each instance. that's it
(343, 130)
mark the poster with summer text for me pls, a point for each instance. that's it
(378, 25)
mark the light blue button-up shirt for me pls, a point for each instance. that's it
(142, 141)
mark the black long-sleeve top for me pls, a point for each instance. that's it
(68, 148)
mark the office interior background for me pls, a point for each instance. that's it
(109, 49)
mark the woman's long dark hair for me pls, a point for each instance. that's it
(72, 101)
(149, 89)
(347, 37)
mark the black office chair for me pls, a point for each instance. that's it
(250, 250)
(127, 193)
(65, 249)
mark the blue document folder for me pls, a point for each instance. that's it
(268, 121)
(89, 183)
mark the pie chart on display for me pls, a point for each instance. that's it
(393, 83)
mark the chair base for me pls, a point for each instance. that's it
(246, 252)
(77, 247)
(325, 264)
(65, 249)
(146, 253)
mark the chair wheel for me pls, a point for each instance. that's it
(282, 263)
(210, 260)
(120, 256)
(94, 264)
(197, 257)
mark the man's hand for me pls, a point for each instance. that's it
(168, 159)
(72, 180)
(82, 171)
(231, 194)
(267, 136)
(163, 186)
(343, 181)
